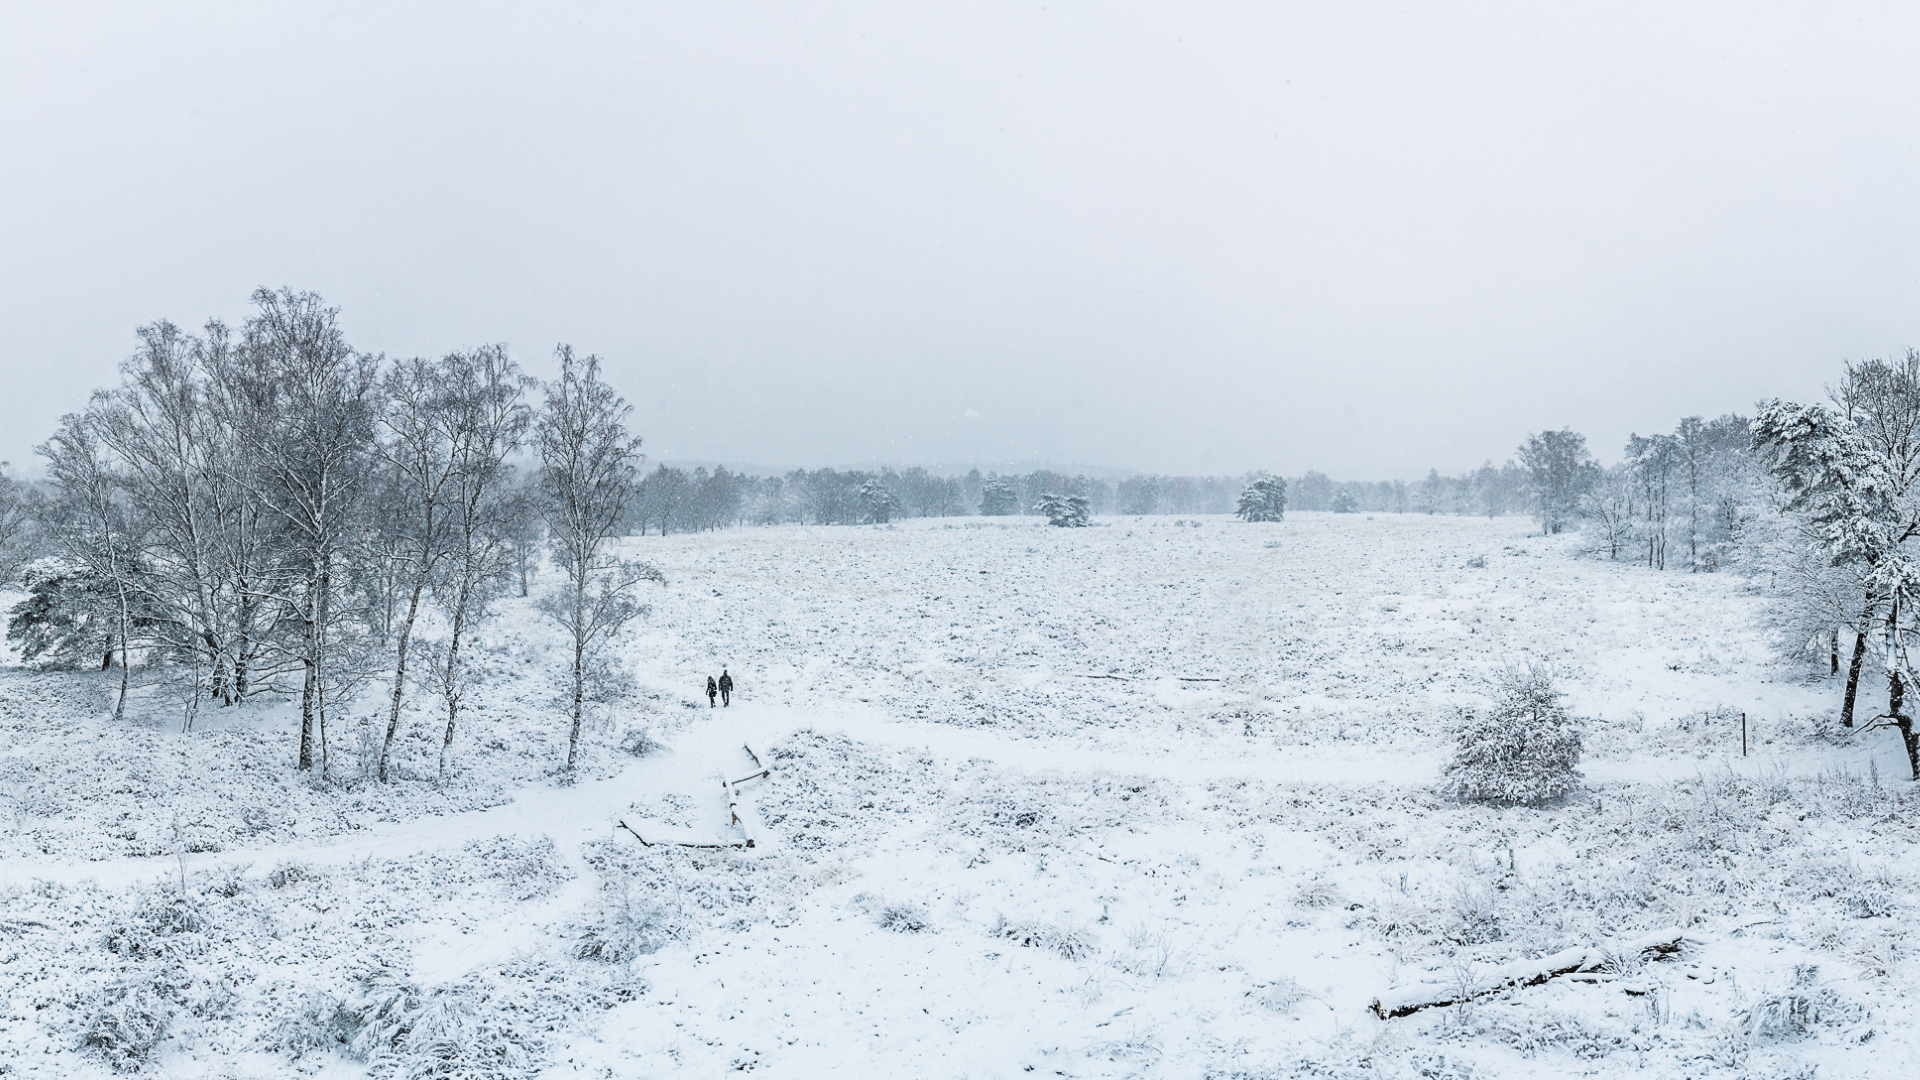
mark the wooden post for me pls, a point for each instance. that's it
(1743, 734)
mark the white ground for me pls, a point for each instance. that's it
(1151, 798)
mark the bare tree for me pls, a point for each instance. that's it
(16, 525)
(1561, 471)
(418, 453)
(484, 420)
(588, 468)
(94, 522)
(1609, 505)
(301, 402)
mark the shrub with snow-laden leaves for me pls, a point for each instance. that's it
(1521, 748)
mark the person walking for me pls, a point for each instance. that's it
(713, 690)
(726, 689)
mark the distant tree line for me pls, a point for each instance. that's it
(680, 500)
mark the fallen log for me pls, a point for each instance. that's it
(1411, 999)
(741, 821)
(656, 834)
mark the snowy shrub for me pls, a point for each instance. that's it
(1476, 918)
(1520, 749)
(307, 1028)
(379, 1013)
(1318, 893)
(287, 873)
(640, 742)
(1530, 1032)
(129, 1022)
(628, 927)
(1794, 1013)
(148, 931)
(903, 918)
(1070, 941)
(525, 869)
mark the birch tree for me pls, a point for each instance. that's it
(588, 469)
(485, 418)
(301, 402)
(16, 526)
(94, 523)
(417, 451)
(1561, 470)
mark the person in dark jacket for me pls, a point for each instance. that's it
(713, 690)
(726, 689)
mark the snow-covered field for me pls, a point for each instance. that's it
(1151, 798)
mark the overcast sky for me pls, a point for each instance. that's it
(1367, 239)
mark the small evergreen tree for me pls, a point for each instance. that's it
(998, 499)
(1520, 749)
(1066, 511)
(1263, 500)
(1344, 502)
(881, 503)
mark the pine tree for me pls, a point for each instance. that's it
(998, 499)
(1263, 500)
(881, 503)
(1066, 511)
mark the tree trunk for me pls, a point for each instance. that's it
(1896, 699)
(1833, 652)
(242, 649)
(323, 610)
(1853, 678)
(1407, 1000)
(126, 670)
(579, 695)
(400, 675)
(306, 716)
(450, 684)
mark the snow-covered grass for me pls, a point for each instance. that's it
(1154, 798)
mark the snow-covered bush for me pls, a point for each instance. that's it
(129, 1022)
(1066, 511)
(903, 918)
(1070, 941)
(1521, 748)
(1264, 500)
(628, 927)
(640, 742)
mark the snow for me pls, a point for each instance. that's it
(1009, 829)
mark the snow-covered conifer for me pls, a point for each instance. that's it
(998, 499)
(1263, 500)
(1067, 511)
(881, 503)
(1523, 747)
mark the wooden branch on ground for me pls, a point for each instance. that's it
(667, 835)
(766, 771)
(1121, 678)
(1412, 999)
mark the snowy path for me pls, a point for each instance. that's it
(713, 745)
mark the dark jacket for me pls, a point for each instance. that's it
(726, 682)
(712, 687)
